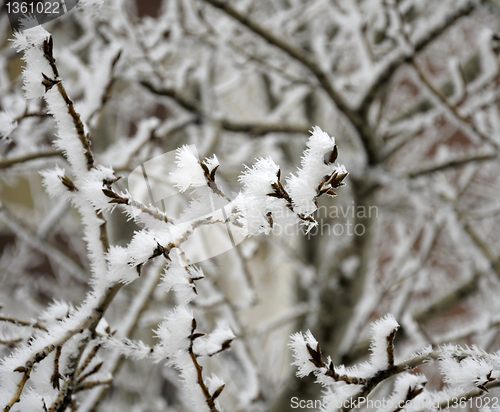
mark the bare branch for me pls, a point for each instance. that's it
(19, 322)
(6, 163)
(254, 128)
(452, 110)
(210, 399)
(42, 245)
(452, 164)
(450, 300)
(382, 80)
(365, 133)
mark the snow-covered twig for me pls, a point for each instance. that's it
(467, 369)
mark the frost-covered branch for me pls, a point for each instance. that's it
(245, 80)
(308, 62)
(468, 372)
(380, 81)
(90, 188)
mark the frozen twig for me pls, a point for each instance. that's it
(476, 366)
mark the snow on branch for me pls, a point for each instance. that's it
(317, 175)
(61, 358)
(192, 173)
(382, 342)
(467, 372)
(268, 202)
(179, 345)
(221, 74)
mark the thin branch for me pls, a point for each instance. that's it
(125, 164)
(87, 323)
(49, 83)
(256, 129)
(92, 384)
(487, 214)
(56, 375)
(129, 201)
(87, 361)
(128, 327)
(10, 343)
(261, 129)
(267, 65)
(450, 300)
(441, 306)
(243, 51)
(381, 81)
(390, 347)
(107, 90)
(27, 114)
(6, 163)
(210, 399)
(77, 122)
(19, 322)
(20, 388)
(450, 109)
(93, 371)
(452, 164)
(299, 55)
(173, 94)
(369, 384)
(365, 42)
(244, 338)
(381, 376)
(400, 143)
(424, 258)
(466, 333)
(483, 246)
(247, 273)
(64, 397)
(41, 245)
